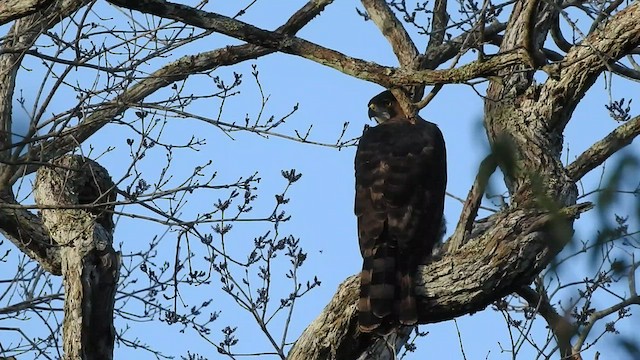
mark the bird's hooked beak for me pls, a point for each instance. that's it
(377, 114)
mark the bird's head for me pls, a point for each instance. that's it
(384, 107)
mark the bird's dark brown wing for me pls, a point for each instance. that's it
(400, 183)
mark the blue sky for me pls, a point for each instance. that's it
(322, 201)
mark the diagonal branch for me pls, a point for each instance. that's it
(515, 247)
(393, 31)
(438, 24)
(176, 71)
(386, 76)
(27, 232)
(599, 152)
(22, 35)
(585, 62)
(472, 204)
(633, 299)
(560, 326)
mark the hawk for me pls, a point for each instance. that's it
(401, 175)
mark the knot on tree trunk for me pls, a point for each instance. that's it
(76, 186)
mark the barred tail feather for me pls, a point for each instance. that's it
(405, 304)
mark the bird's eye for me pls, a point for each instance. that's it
(389, 104)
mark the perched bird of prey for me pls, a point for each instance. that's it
(401, 175)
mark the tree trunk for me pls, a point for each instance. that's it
(70, 192)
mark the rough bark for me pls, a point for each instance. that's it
(90, 265)
(27, 232)
(14, 9)
(504, 253)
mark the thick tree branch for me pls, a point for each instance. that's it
(438, 24)
(557, 36)
(386, 76)
(472, 203)
(15, 9)
(599, 152)
(27, 232)
(528, 153)
(585, 62)
(393, 31)
(90, 265)
(505, 255)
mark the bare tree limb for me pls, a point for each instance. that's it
(438, 24)
(633, 299)
(22, 35)
(599, 152)
(26, 230)
(558, 37)
(561, 327)
(388, 77)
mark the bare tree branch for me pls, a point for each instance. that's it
(388, 77)
(176, 71)
(561, 327)
(438, 24)
(633, 299)
(27, 232)
(23, 34)
(599, 152)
